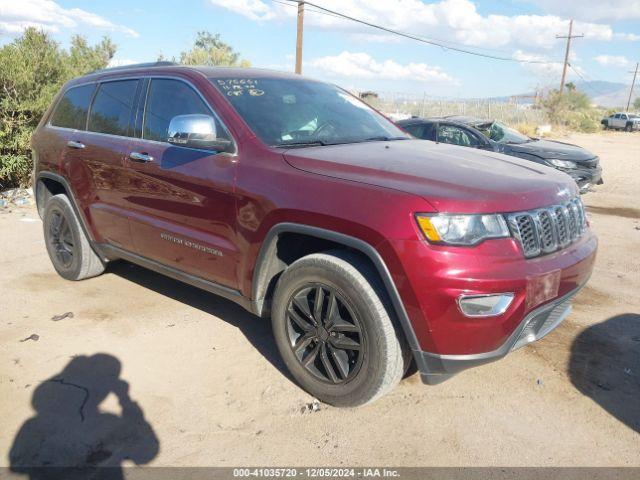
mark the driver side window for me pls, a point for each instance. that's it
(456, 136)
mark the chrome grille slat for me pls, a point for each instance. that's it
(563, 228)
(573, 220)
(548, 241)
(528, 233)
(546, 230)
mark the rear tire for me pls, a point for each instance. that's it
(67, 245)
(334, 332)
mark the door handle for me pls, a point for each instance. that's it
(140, 157)
(74, 144)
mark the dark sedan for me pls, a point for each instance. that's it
(582, 165)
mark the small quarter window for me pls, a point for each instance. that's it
(112, 107)
(71, 111)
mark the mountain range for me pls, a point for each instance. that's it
(608, 94)
(601, 93)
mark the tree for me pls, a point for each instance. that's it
(32, 70)
(573, 110)
(570, 86)
(636, 103)
(210, 50)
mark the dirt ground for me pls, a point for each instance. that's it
(206, 387)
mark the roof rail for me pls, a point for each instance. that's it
(135, 65)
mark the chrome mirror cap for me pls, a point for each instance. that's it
(196, 131)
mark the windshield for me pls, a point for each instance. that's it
(292, 112)
(500, 133)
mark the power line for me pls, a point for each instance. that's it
(591, 87)
(446, 43)
(419, 38)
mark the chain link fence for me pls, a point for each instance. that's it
(512, 111)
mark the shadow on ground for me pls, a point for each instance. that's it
(70, 438)
(256, 330)
(605, 366)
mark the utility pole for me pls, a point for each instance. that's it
(633, 84)
(566, 54)
(299, 38)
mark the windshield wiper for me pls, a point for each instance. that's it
(310, 143)
(382, 138)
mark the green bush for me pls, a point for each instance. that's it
(573, 111)
(34, 67)
(32, 70)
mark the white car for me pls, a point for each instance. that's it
(623, 121)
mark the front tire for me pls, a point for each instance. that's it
(334, 332)
(67, 245)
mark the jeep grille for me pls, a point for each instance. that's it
(546, 230)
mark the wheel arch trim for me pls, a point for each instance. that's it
(267, 253)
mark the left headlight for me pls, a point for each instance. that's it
(561, 163)
(462, 229)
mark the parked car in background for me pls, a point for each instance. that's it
(297, 201)
(622, 121)
(580, 164)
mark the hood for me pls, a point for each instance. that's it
(546, 149)
(450, 178)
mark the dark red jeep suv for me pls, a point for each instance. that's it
(369, 250)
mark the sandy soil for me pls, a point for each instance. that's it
(206, 387)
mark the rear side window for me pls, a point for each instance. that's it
(71, 111)
(425, 131)
(112, 107)
(168, 99)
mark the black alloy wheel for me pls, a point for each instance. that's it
(325, 334)
(61, 239)
(67, 245)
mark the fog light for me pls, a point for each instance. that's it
(485, 305)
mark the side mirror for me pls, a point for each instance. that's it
(196, 131)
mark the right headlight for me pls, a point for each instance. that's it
(462, 229)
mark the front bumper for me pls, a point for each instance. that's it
(586, 177)
(436, 368)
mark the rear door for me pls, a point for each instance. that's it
(617, 123)
(65, 135)
(109, 130)
(182, 202)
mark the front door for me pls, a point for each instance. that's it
(456, 135)
(181, 200)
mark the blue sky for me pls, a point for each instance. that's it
(359, 57)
